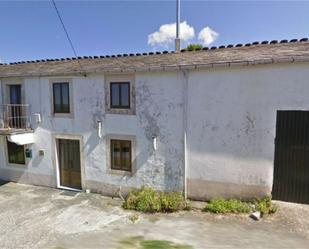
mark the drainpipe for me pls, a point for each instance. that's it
(185, 74)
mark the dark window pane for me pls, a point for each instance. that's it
(57, 97)
(126, 155)
(16, 153)
(125, 95)
(65, 109)
(116, 154)
(61, 97)
(15, 94)
(115, 98)
(65, 98)
(121, 155)
(120, 95)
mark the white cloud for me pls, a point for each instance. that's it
(207, 36)
(167, 34)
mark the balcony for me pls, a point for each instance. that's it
(14, 119)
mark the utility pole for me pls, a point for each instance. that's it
(177, 40)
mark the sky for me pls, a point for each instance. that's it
(31, 29)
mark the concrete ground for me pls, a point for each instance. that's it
(38, 217)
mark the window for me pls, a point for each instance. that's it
(120, 95)
(61, 97)
(16, 153)
(121, 155)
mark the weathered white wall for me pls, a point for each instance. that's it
(231, 126)
(159, 106)
(231, 119)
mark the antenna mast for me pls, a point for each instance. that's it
(177, 40)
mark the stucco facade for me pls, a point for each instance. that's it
(158, 107)
(232, 127)
(215, 129)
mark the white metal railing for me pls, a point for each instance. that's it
(14, 116)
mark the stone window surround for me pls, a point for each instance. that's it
(111, 171)
(120, 78)
(62, 80)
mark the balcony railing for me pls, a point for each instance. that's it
(14, 116)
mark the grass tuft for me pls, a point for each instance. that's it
(265, 206)
(162, 244)
(223, 206)
(149, 200)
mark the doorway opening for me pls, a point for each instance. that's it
(69, 164)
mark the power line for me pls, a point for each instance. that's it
(66, 33)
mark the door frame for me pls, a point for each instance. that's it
(56, 161)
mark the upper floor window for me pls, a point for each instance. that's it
(61, 97)
(120, 95)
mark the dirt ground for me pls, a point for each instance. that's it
(38, 217)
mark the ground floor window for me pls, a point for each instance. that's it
(121, 155)
(16, 153)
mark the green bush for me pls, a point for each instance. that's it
(149, 200)
(193, 47)
(145, 200)
(223, 206)
(171, 202)
(265, 206)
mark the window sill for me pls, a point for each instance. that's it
(63, 115)
(17, 165)
(119, 172)
(130, 111)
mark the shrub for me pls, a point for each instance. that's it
(150, 201)
(193, 47)
(145, 200)
(227, 206)
(265, 206)
(222, 206)
(171, 202)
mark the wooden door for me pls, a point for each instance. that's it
(69, 163)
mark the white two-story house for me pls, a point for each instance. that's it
(203, 122)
